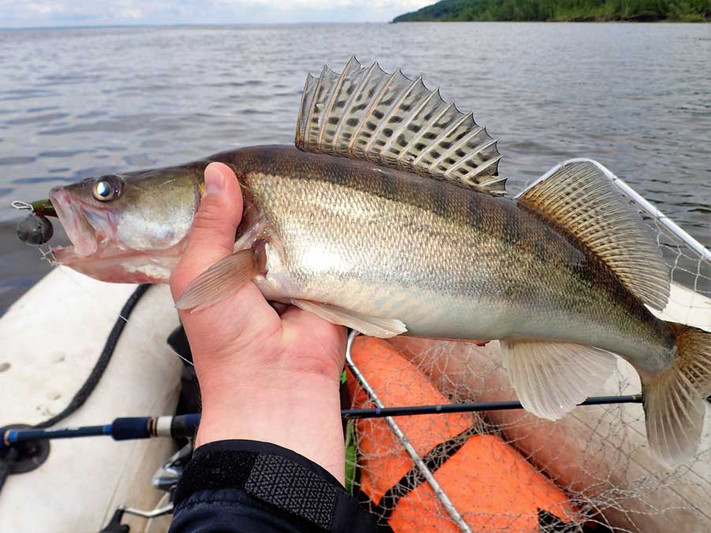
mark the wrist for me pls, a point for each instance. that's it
(296, 410)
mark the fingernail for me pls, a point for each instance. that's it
(214, 180)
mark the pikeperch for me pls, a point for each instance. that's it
(389, 217)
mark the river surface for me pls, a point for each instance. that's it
(76, 103)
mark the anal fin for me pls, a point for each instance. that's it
(551, 378)
(372, 326)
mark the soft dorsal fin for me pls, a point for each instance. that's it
(579, 198)
(392, 120)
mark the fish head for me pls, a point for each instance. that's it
(127, 228)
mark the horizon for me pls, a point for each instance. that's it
(186, 25)
(46, 14)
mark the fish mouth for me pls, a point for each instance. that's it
(85, 227)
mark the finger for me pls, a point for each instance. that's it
(245, 313)
(212, 236)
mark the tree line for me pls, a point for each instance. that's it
(563, 10)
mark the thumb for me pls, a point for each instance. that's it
(212, 236)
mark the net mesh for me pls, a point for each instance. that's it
(508, 470)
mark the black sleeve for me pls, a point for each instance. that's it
(248, 486)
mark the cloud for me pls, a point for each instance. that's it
(130, 13)
(43, 8)
(109, 12)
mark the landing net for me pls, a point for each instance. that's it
(509, 470)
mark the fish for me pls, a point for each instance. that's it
(389, 216)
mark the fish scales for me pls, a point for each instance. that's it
(445, 260)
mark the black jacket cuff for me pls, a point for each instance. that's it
(291, 484)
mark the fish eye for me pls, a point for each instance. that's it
(106, 188)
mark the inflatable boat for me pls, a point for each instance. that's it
(51, 340)
(597, 456)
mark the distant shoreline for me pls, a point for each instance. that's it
(571, 21)
(621, 11)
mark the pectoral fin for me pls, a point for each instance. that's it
(373, 326)
(552, 378)
(221, 280)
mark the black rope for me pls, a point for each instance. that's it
(92, 381)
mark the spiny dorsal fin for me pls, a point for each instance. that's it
(581, 200)
(392, 120)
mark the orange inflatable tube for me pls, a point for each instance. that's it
(490, 484)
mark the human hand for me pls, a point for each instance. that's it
(263, 376)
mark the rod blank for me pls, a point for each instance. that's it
(183, 426)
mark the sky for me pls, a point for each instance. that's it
(34, 13)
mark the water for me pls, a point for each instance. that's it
(81, 102)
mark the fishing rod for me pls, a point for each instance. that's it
(410, 410)
(127, 428)
(183, 426)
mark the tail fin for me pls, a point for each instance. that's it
(674, 402)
